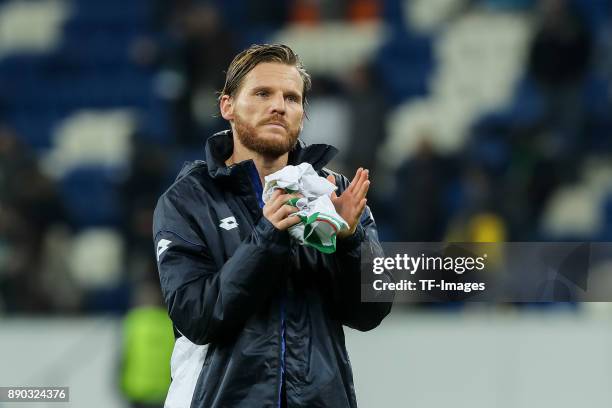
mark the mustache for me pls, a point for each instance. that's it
(275, 121)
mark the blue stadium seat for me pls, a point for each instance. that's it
(35, 126)
(606, 228)
(154, 123)
(100, 48)
(597, 103)
(20, 67)
(393, 13)
(527, 105)
(594, 12)
(90, 195)
(405, 63)
(596, 96)
(112, 12)
(114, 300)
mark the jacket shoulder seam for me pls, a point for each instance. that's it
(182, 178)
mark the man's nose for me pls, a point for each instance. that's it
(278, 104)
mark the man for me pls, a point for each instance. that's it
(259, 318)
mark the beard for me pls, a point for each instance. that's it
(265, 146)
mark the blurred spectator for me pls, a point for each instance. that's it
(480, 227)
(271, 14)
(147, 179)
(507, 4)
(305, 12)
(368, 109)
(317, 11)
(328, 118)
(419, 195)
(333, 10)
(24, 187)
(561, 50)
(559, 57)
(191, 52)
(364, 10)
(148, 340)
(204, 51)
(29, 206)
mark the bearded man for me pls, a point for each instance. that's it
(258, 318)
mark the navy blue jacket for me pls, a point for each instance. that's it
(254, 312)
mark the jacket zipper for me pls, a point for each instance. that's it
(258, 193)
(282, 348)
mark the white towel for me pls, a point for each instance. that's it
(320, 222)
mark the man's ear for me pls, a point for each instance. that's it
(226, 106)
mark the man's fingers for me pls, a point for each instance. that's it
(275, 195)
(364, 177)
(271, 204)
(362, 206)
(286, 210)
(283, 199)
(288, 222)
(286, 197)
(280, 200)
(281, 213)
(351, 186)
(363, 190)
(278, 218)
(278, 212)
(358, 184)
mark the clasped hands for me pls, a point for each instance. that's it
(349, 205)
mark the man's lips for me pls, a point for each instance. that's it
(279, 124)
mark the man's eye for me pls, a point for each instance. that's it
(261, 93)
(292, 98)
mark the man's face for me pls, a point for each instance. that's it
(267, 111)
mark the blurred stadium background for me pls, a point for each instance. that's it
(481, 120)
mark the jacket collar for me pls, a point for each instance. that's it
(220, 146)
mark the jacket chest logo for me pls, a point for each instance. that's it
(228, 223)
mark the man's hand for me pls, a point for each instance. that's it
(279, 213)
(352, 201)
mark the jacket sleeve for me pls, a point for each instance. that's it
(208, 303)
(347, 277)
